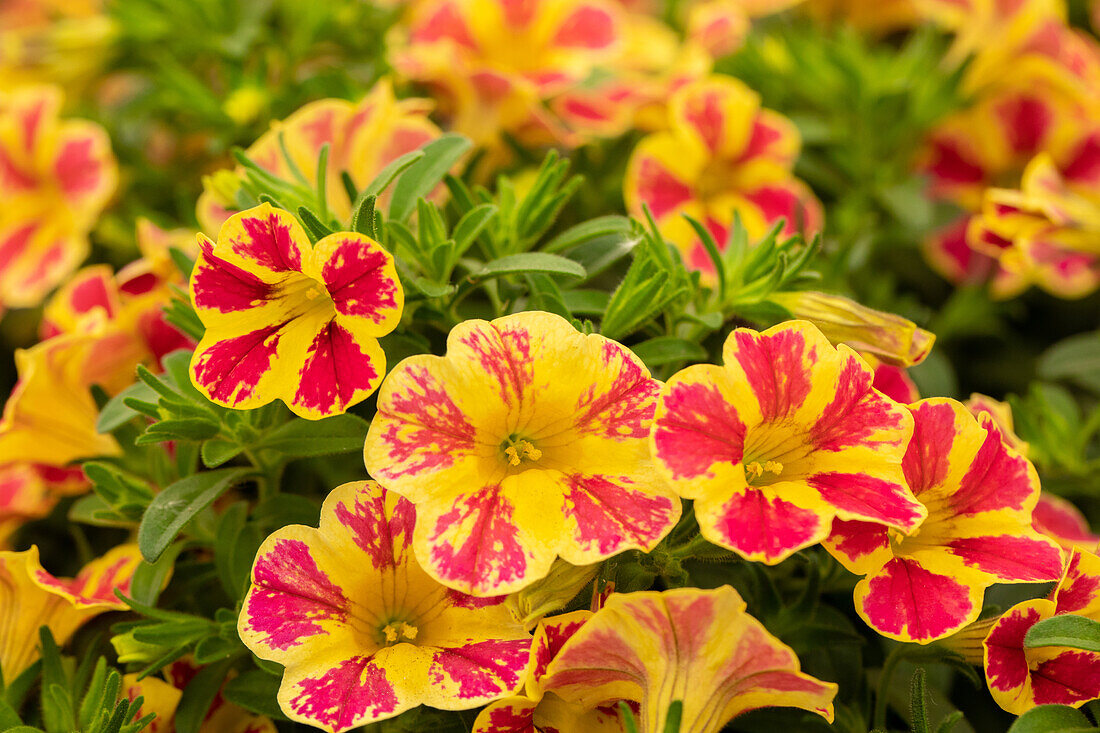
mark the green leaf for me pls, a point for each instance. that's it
(668, 349)
(585, 302)
(116, 412)
(1067, 630)
(300, 438)
(178, 504)
(432, 289)
(363, 219)
(150, 578)
(470, 226)
(385, 176)
(187, 428)
(316, 228)
(256, 691)
(1051, 719)
(197, 696)
(9, 718)
(528, 262)
(1076, 359)
(217, 451)
(426, 173)
(602, 226)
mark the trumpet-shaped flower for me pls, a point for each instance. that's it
(722, 155)
(1064, 523)
(537, 711)
(696, 646)
(290, 320)
(525, 442)
(363, 138)
(893, 381)
(50, 416)
(23, 497)
(363, 631)
(786, 436)
(1000, 413)
(980, 494)
(1021, 677)
(30, 597)
(55, 177)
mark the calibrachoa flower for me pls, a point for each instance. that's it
(55, 177)
(1064, 523)
(892, 381)
(30, 597)
(50, 416)
(57, 41)
(363, 138)
(525, 442)
(697, 646)
(363, 632)
(979, 494)
(786, 436)
(290, 320)
(537, 711)
(23, 497)
(1001, 415)
(721, 155)
(1021, 678)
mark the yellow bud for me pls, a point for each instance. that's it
(893, 339)
(223, 185)
(245, 104)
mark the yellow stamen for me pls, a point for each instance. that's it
(754, 470)
(520, 450)
(396, 631)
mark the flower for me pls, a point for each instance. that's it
(893, 339)
(1062, 522)
(1000, 413)
(30, 597)
(786, 436)
(892, 381)
(60, 41)
(23, 497)
(979, 494)
(721, 155)
(562, 583)
(1021, 677)
(290, 320)
(363, 138)
(696, 646)
(363, 632)
(527, 441)
(494, 63)
(50, 416)
(55, 177)
(537, 711)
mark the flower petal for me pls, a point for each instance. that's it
(361, 280)
(904, 601)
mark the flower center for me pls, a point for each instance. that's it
(716, 178)
(396, 632)
(518, 450)
(757, 474)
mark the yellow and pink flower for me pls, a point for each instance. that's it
(721, 155)
(696, 646)
(55, 177)
(287, 319)
(30, 597)
(526, 442)
(1020, 677)
(980, 495)
(364, 633)
(786, 436)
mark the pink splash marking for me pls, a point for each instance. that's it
(856, 413)
(755, 524)
(92, 291)
(586, 664)
(491, 554)
(589, 27)
(1009, 557)
(14, 243)
(383, 539)
(925, 462)
(953, 254)
(102, 587)
(357, 283)
(483, 670)
(698, 429)
(230, 369)
(995, 479)
(904, 598)
(12, 177)
(554, 635)
(612, 516)
(625, 409)
(1084, 165)
(345, 695)
(951, 163)
(461, 600)
(868, 497)
(511, 716)
(1006, 665)
(1078, 589)
(776, 370)
(224, 287)
(1025, 123)
(504, 354)
(761, 139)
(439, 430)
(336, 368)
(268, 241)
(446, 23)
(856, 539)
(704, 113)
(161, 337)
(1068, 679)
(290, 594)
(76, 167)
(320, 128)
(894, 382)
(662, 191)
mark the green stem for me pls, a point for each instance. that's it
(270, 474)
(892, 660)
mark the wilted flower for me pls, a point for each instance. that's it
(526, 442)
(363, 632)
(722, 155)
(287, 319)
(1021, 677)
(55, 177)
(696, 646)
(30, 597)
(979, 494)
(892, 339)
(786, 436)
